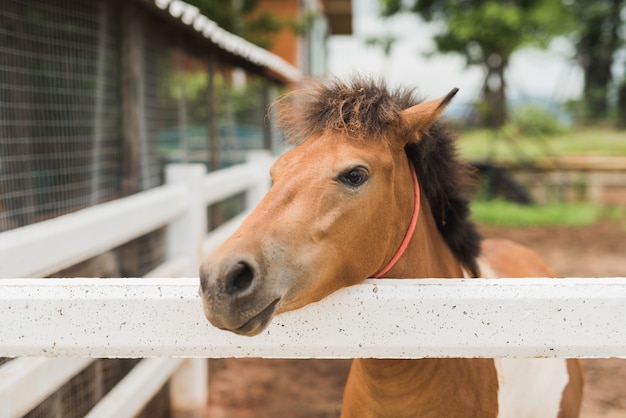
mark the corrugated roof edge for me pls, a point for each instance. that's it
(229, 42)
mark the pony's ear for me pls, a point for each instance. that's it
(419, 118)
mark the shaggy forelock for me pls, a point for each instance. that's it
(359, 108)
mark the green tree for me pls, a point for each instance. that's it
(621, 105)
(597, 40)
(487, 33)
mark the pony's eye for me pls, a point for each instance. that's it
(355, 177)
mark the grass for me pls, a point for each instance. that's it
(503, 213)
(597, 141)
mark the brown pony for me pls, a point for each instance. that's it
(373, 188)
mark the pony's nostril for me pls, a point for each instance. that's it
(239, 278)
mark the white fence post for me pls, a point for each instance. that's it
(263, 160)
(185, 234)
(189, 385)
(189, 388)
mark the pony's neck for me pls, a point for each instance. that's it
(428, 255)
(435, 387)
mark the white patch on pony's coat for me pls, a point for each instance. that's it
(530, 388)
(486, 271)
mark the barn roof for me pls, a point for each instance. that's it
(244, 53)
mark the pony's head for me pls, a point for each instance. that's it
(339, 205)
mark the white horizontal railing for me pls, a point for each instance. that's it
(382, 318)
(46, 247)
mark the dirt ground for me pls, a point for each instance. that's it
(251, 388)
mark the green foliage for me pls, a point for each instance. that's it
(243, 18)
(246, 102)
(243, 103)
(225, 13)
(616, 214)
(535, 121)
(599, 37)
(503, 213)
(385, 42)
(479, 29)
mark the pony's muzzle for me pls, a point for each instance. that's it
(233, 297)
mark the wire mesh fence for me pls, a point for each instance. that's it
(77, 397)
(63, 94)
(96, 97)
(59, 119)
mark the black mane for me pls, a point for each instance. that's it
(365, 108)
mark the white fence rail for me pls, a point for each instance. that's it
(381, 319)
(43, 248)
(46, 247)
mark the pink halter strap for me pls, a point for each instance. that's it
(409, 231)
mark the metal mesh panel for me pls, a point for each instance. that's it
(156, 111)
(159, 407)
(140, 256)
(241, 125)
(76, 398)
(81, 393)
(176, 81)
(59, 108)
(60, 130)
(240, 110)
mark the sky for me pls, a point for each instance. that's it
(533, 73)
